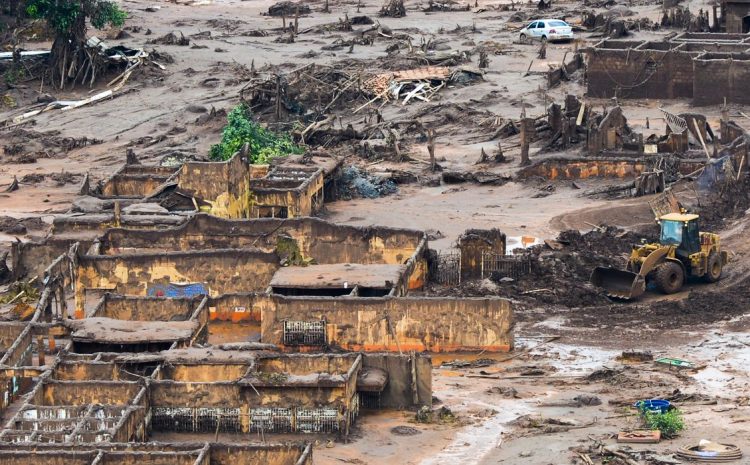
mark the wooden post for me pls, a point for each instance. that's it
(499, 156)
(40, 349)
(431, 148)
(118, 214)
(278, 97)
(700, 137)
(525, 142)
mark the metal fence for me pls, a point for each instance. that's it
(305, 333)
(196, 419)
(262, 419)
(505, 266)
(446, 269)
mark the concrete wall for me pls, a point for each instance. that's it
(719, 76)
(223, 185)
(704, 67)
(221, 271)
(88, 227)
(299, 199)
(135, 181)
(733, 14)
(237, 307)
(29, 259)
(214, 395)
(582, 169)
(54, 393)
(9, 332)
(131, 308)
(293, 453)
(325, 242)
(420, 324)
(252, 455)
(399, 392)
(629, 72)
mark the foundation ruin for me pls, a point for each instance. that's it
(191, 323)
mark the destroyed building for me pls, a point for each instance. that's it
(735, 16)
(705, 67)
(228, 189)
(119, 348)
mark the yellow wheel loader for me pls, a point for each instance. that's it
(682, 251)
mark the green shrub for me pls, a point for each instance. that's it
(264, 143)
(669, 423)
(12, 76)
(62, 15)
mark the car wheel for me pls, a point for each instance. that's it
(544, 39)
(523, 38)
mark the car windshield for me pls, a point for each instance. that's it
(557, 23)
(671, 232)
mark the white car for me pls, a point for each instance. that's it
(547, 29)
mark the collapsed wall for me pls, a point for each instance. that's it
(171, 274)
(705, 67)
(157, 454)
(390, 324)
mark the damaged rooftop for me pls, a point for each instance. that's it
(385, 231)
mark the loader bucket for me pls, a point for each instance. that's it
(618, 283)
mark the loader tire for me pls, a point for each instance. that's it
(713, 268)
(669, 277)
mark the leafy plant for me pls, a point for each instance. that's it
(12, 75)
(63, 15)
(264, 144)
(669, 423)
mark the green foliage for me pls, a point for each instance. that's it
(264, 144)
(289, 252)
(61, 15)
(12, 75)
(107, 13)
(669, 423)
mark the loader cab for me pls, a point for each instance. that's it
(680, 230)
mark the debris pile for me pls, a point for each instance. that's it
(288, 9)
(171, 39)
(421, 83)
(445, 5)
(393, 8)
(309, 92)
(560, 270)
(356, 183)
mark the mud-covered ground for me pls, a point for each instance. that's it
(179, 111)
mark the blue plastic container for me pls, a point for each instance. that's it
(653, 405)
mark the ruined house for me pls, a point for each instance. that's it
(704, 67)
(143, 196)
(348, 286)
(736, 16)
